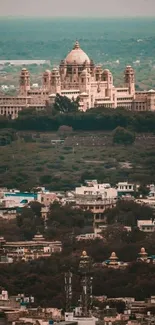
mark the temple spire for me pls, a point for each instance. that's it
(76, 45)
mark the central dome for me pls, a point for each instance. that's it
(77, 55)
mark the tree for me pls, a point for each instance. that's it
(29, 222)
(7, 136)
(113, 233)
(36, 207)
(127, 213)
(64, 220)
(143, 190)
(65, 130)
(123, 136)
(64, 105)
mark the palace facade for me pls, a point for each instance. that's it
(78, 76)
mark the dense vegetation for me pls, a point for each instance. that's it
(44, 278)
(65, 112)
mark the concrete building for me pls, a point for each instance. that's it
(97, 205)
(29, 250)
(99, 197)
(146, 225)
(14, 198)
(46, 197)
(91, 236)
(8, 212)
(125, 188)
(78, 76)
(79, 320)
(93, 188)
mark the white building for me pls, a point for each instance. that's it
(146, 225)
(91, 236)
(70, 317)
(125, 188)
(94, 189)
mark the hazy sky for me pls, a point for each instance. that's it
(77, 8)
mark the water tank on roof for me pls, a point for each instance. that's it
(51, 322)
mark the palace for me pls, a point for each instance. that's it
(78, 76)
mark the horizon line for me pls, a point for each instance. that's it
(72, 17)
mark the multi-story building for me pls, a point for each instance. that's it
(78, 76)
(99, 197)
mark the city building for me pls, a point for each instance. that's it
(146, 225)
(125, 188)
(96, 198)
(78, 76)
(29, 250)
(90, 236)
(14, 198)
(47, 198)
(95, 188)
(11, 199)
(8, 212)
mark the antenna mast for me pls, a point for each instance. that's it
(68, 290)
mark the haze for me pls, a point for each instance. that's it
(66, 8)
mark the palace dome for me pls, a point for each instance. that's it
(77, 55)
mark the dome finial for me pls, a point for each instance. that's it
(76, 45)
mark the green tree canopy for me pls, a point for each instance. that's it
(123, 136)
(64, 105)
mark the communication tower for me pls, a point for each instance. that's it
(86, 277)
(68, 290)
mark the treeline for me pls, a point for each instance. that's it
(96, 119)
